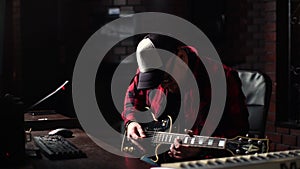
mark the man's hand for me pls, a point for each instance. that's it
(180, 151)
(135, 131)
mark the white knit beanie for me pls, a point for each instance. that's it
(147, 57)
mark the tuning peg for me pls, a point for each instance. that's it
(249, 140)
(247, 135)
(125, 149)
(238, 151)
(130, 149)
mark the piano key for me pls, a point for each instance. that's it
(183, 166)
(219, 162)
(284, 154)
(293, 154)
(271, 156)
(237, 160)
(254, 158)
(198, 164)
(230, 161)
(191, 165)
(211, 163)
(244, 159)
(278, 155)
(262, 157)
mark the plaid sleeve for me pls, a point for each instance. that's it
(134, 100)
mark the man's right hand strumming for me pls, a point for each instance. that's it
(135, 131)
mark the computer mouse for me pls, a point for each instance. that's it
(62, 132)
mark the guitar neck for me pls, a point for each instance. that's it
(196, 141)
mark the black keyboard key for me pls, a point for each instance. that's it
(211, 163)
(183, 166)
(262, 157)
(237, 160)
(191, 165)
(244, 159)
(57, 147)
(293, 154)
(198, 164)
(230, 161)
(254, 158)
(271, 156)
(219, 162)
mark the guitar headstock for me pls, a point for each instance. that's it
(245, 145)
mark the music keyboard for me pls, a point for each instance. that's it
(289, 159)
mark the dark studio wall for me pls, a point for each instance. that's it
(52, 33)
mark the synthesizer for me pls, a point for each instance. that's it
(289, 159)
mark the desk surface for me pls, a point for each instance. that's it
(96, 156)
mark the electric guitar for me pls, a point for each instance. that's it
(157, 136)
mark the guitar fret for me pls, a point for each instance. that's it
(166, 138)
(162, 138)
(159, 138)
(154, 137)
(170, 139)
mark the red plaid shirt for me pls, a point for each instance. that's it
(235, 116)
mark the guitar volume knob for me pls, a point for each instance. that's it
(130, 149)
(125, 149)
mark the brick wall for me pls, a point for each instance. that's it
(261, 55)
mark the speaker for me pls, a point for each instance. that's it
(12, 142)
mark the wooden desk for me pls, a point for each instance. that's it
(96, 157)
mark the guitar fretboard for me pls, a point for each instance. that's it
(197, 141)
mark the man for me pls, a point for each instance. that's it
(154, 89)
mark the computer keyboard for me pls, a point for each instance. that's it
(57, 147)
